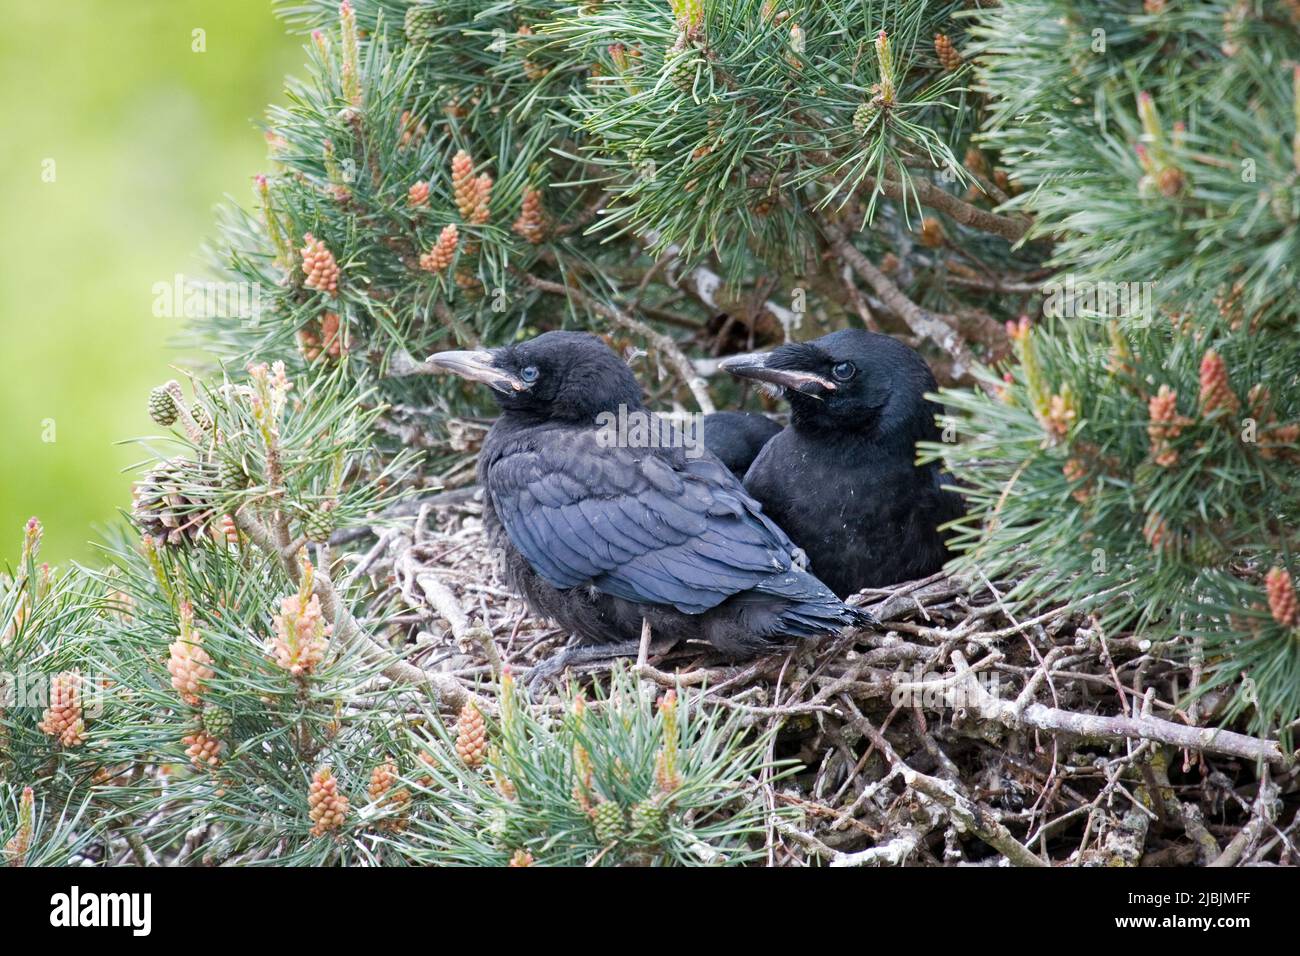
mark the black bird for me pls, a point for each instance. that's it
(842, 479)
(737, 438)
(598, 536)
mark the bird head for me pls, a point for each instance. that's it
(849, 381)
(568, 376)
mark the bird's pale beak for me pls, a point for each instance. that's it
(476, 365)
(757, 367)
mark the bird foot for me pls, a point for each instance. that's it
(554, 666)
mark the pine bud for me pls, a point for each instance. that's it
(189, 665)
(479, 214)
(439, 257)
(63, 718)
(418, 195)
(1076, 471)
(885, 61)
(1216, 391)
(203, 749)
(1281, 597)
(521, 858)
(382, 779)
(383, 795)
(162, 406)
(464, 186)
(667, 777)
(328, 807)
(18, 845)
(471, 736)
(318, 266)
(932, 233)
(299, 642)
(531, 224)
(948, 56)
(1156, 532)
(1165, 424)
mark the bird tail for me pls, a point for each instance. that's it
(813, 609)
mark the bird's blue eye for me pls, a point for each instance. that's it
(528, 375)
(844, 371)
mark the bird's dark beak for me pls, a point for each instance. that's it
(477, 366)
(758, 367)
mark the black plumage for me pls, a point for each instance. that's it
(598, 537)
(737, 438)
(842, 478)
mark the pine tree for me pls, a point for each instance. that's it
(689, 179)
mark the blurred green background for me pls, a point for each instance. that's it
(146, 137)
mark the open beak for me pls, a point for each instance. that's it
(756, 367)
(476, 365)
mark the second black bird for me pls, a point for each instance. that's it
(598, 536)
(842, 478)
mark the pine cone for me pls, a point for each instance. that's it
(422, 22)
(471, 736)
(170, 504)
(681, 62)
(418, 195)
(319, 266)
(521, 858)
(218, 721)
(203, 749)
(1281, 597)
(318, 524)
(162, 406)
(328, 807)
(444, 250)
(948, 56)
(63, 718)
(231, 475)
(607, 821)
(862, 118)
(647, 821)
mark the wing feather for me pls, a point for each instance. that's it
(647, 525)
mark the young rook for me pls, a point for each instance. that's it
(599, 537)
(737, 438)
(842, 478)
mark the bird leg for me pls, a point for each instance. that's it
(557, 664)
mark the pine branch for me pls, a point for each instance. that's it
(922, 322)
(446, 691)
(660, 342)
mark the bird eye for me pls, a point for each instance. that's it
(529, 374)
(844, 371)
